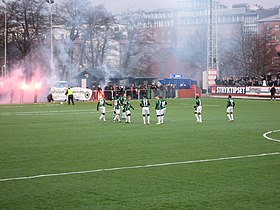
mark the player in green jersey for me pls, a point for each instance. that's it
(128, 106)
(144, 103)
(158, 109)
(198, 109)
(230, 107)
(117, 109)
(122, 101)
(163, 108)
(101, 106)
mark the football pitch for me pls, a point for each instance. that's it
(57, 156)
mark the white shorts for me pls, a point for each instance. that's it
(159, 112)
(145, 110)
(198, 109)
(127, 112)
(102, 109)
(163, 111)
(117, 111)
(230, 109)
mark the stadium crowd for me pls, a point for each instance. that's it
(264, 80)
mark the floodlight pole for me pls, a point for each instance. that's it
(51, 39)
(5, 42)
(212, 43)
(50, 2)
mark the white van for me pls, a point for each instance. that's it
(60, 84)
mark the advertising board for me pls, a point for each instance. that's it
(245, 91)
(82, 94)
(228, 90)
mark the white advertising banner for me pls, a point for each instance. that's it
(261, 91)
(82, 94)
(246, 91)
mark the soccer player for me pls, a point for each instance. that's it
(117, 109)
(158, 109)
(101, 106)
(145, 109)
(122, 101)
(163, 108)
(230, 107)
(127, 109)
(197, 110)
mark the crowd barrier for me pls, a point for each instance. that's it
(136, 94)
(110, 94)
(189, 93)
(151, 93)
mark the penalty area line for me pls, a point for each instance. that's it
(138, 167)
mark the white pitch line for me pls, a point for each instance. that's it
(137, 167)
(269, 132)
(50, 113)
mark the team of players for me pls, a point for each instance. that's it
(123, 105)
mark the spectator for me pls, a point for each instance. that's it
(268, 76)
(264, 83)
(50, 98)
(272, 92)
(12, 93)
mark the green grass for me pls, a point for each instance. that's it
(40, 139)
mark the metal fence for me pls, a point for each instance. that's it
(139, 93)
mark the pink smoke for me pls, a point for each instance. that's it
(16, 89)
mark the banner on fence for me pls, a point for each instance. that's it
(228, 90)
(246, 91)
(83, 94)
(261, 91)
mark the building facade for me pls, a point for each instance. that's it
(178, 27)
(271, 25)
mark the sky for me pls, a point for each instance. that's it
(122, 5)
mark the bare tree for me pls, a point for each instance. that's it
(195, 48)
(70, 14)
(4, 34)
(138, 48)
(249, 54)
(98, 30)
(25, 26)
